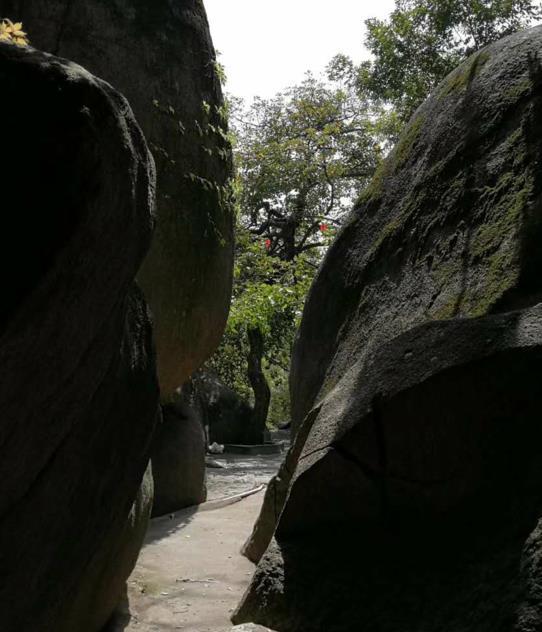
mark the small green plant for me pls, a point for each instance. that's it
(13, 33)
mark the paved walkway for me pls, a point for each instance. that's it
(190, 574)
(241, 473)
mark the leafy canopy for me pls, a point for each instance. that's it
(302, 156)
(424, 40)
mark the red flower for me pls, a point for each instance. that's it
(267, 244)
(324, 228)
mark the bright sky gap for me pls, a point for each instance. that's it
(268, 46)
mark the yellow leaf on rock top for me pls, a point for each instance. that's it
(12, 32)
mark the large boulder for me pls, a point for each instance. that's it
(423, 453)
(178, 458)
(448, 228)
(159, 54)
(79, 393)
(225, 415)
(417, 501)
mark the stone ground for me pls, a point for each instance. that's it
(241, 473)
(190, 574)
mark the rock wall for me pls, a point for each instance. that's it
(414, 495)
(226, 416)
(178, 458)
(159, 54)
(79, 395)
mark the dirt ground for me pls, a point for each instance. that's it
(190, 574)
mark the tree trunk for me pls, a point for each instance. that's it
(258, 382)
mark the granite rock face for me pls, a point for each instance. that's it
(159, 54)
(79, 394)
(414, 383)
(418, 505)
(178, 458)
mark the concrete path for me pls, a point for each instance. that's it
(241, 473)
(190, 574)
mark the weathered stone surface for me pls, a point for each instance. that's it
(226, 416)
(423, 453)
(159, 54)
(178, 459)
(448, 228)
(431, 474)
(275, 496)
(78, 394)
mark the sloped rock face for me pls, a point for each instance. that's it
(418, 436)
(448, 228)
(418, 507)
(159, 54)
(178, 459)
(78, 395)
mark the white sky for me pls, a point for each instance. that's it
(267, 45)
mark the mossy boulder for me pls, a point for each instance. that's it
(79, 392)
(396, 447)
(159, 54)
(449, 227)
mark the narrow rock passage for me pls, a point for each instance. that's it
(190, 574)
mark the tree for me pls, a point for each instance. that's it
(424, 40)
(301, 157)
(265, 311)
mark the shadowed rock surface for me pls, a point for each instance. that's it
(178, 459)
(222, 411)
(422, 452)
(433, 478)
(159, 54)
(78, 394)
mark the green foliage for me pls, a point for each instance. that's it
(268, 295)
(424, 40)
(301, 158)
